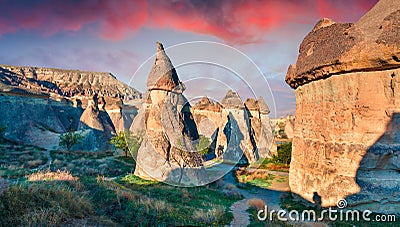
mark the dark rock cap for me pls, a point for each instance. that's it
(206, 104)
(372, 43)
(252, 104)
(232, 101)
(163, 75)
(263, 106)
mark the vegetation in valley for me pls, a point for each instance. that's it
(69, 139)
(91, 163)
(203, 146)
(16, 160)
(284, 153)
(99, 189)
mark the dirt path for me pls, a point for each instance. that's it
(240, 214)
(238, 209)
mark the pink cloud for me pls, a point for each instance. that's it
(234, 21)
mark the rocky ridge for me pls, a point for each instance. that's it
(347, 85)
(43, 103)
(235, 128)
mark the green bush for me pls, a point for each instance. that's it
(203, 147)
(69, 139)
(120, 142)
(284, 153)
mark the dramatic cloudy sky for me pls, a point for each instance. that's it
(118, 36)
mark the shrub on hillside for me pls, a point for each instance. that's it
(284, 153)
(69, 139)
(203, 147)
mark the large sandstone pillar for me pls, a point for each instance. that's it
(167, 152)
(347, 134)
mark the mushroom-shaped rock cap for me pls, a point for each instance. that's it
(263, 106)
(252, 104)
(206, 104)
(232, 101)
(331, 48)
(163, 75)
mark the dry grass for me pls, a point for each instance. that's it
(34, 163)
(44, 217)
(51, 176)
(209, 216)
(257, 204)
(42, 204)
(243, 175)
(3, 185)
(147, 203)
(278, 167)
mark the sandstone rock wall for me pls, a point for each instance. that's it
(70, 82)
(39, 104)
(36, 121)
(337, 122)
(167, 152)
(345, 141)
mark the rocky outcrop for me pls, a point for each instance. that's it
(67, 83)
(289, 126)
(234, 140)
(39, 104)
(207, 115)
(245, 128)
(260, 126)
(167, 152)
(99, 122)
(347, 85)
(334, 48)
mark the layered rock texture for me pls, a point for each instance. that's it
(234, 128)
(260, 126)
(39, 104)
(346, 136)
(167, 152)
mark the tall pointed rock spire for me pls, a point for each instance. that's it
(163, 75)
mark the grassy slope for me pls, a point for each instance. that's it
(103, 192)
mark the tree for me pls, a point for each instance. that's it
(203, 146)
(69, 139)
(284, 153)
(120, 142)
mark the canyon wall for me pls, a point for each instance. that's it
(346, 137)
(40, 104)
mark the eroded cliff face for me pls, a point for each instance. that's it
(167, 152)
(260, 127)
(346, 137)
(68, 83)
(39, 104)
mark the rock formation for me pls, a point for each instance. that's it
(248, 122)
(207, 116)
(347, 81)
(289, 126)
(234, 140)
(68, 83)
(260, 126)
(39, 104)
(167, 152)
